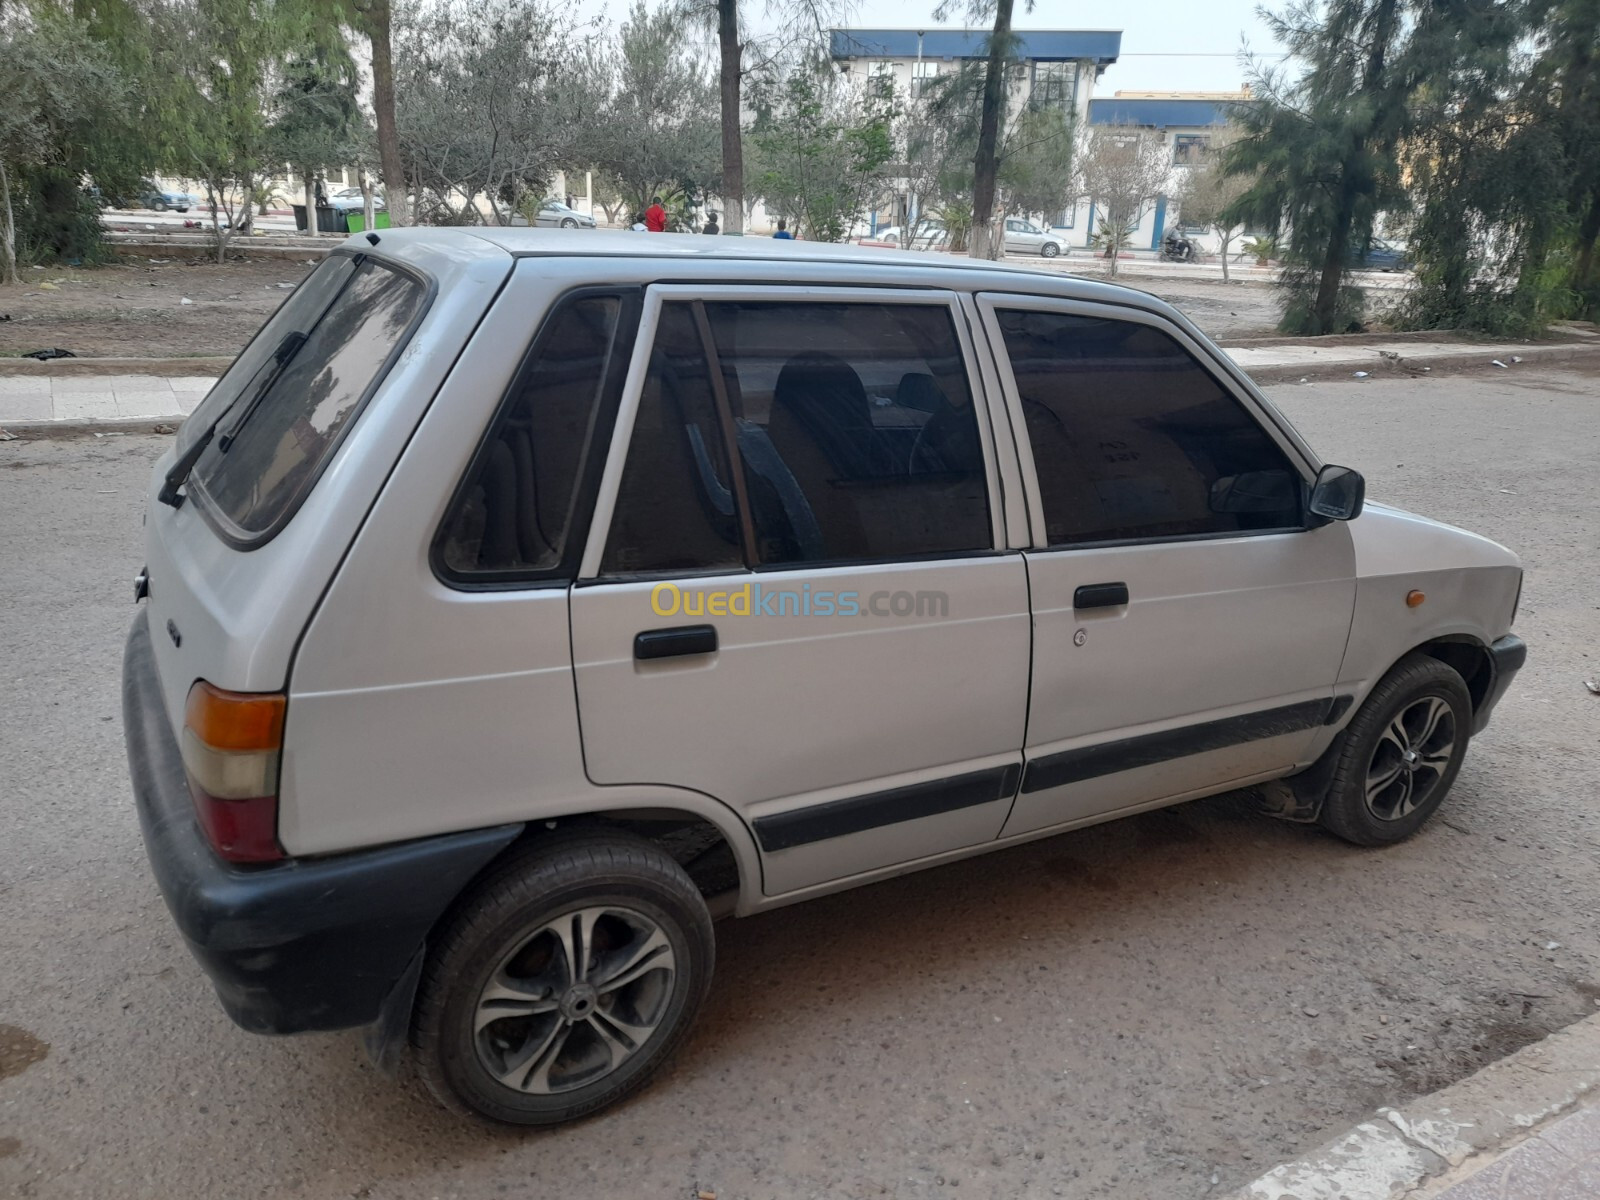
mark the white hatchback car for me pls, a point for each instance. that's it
(521, 600)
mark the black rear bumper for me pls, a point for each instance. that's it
(300, 945)
(1506, 657)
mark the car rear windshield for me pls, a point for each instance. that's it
(288, 399)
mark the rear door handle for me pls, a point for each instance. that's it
(1100, 595)
(669, 643)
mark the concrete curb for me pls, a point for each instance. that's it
(1471, 1122)
(165, 367)
(1342, 368)
(243, 247)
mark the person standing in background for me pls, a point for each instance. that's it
(655, 217)
(783, 231)
(711, 225)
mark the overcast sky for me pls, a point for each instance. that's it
(1167, 45)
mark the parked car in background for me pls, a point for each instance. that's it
(161, 199)
(1024, 237)
(926, 235)
(1382, 255)
(515, 605)
(553, 214)
(350, 200)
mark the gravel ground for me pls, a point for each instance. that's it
(1159, 1007)
(136, 308)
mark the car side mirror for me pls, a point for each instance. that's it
(1255, 492)
(1338, 493)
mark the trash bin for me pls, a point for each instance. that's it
(358, 221)
(329, 219)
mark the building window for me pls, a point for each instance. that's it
(1054, 84)
(880, 69)
(922, 74)
(1189, 148)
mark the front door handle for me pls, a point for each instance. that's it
(1100, 595)
(669, 643)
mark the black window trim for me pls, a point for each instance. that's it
(221, 524)
(590, 468)
(1225, 375)
(754, 292)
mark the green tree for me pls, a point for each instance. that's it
(823, 153)
(657, 134)
(1323, 148)
(55, 81)
(316, 123)
(1034, 154)
(799, 24)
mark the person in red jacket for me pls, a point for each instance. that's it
(655, 217)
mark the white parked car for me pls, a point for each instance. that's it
(350, 200)
(521, 600)
(1024, 237)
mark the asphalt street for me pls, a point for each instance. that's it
(1159, 1007)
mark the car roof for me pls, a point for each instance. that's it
(957, 270)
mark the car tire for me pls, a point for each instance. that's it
(568, 223)
(183, 210)
(159, 206)
(565, 1047)
(1402, 751)
(1049, 250)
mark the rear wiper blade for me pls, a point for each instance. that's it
(260, 384)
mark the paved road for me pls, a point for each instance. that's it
(1120, 1012)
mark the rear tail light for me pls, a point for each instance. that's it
(231, 745)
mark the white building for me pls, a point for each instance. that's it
(1057, 66)
(1185, 121)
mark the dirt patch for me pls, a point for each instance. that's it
(19, 1050)
(137, 308)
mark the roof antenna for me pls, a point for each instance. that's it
(372, 239)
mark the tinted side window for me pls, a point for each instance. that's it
(1132, 438)
(514, 514)
(676, 509)
(856, 430)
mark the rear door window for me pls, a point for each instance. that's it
(289, 399)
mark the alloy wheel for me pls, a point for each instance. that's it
(574, 1000)
(1411, 757)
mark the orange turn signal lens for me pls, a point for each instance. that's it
(235, 720)
(1414, 598)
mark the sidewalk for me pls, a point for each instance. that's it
(31, 399)
(66, 391)
(1524, 1128)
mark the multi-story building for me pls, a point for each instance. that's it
(1187, 122)
(1055, 66)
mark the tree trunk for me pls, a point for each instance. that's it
(1225, 238)
(8, 232)
(732, 135)
(1583, 271)
(308, 184)
(1326, 307)
(394, 174)
(369, 204)
(218, 233)
(986, 162)
(247, 210)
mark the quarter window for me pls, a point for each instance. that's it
(1132, 438)
(852, 428)
(514, 515)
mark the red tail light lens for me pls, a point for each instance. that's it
(231, 745)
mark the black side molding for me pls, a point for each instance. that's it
(1124, 754)
(836, 818)
(667, 643)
